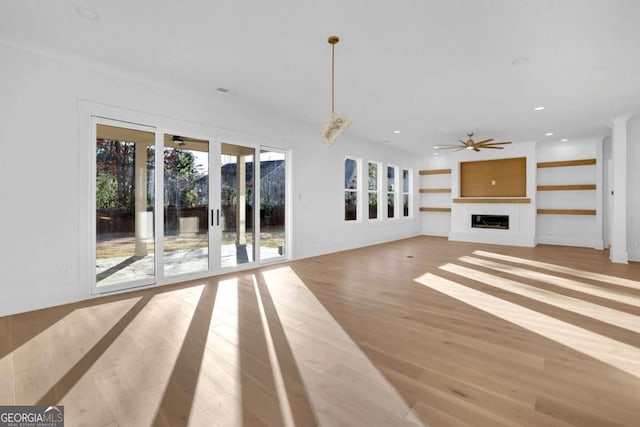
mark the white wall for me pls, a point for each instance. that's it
(42, 181)
(633, 188)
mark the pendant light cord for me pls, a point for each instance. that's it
(332, 41)
(333, 50)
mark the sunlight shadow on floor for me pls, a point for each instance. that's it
(619, 281)
(342, 383)
(575, 305)
(575, 285)
(619, 355)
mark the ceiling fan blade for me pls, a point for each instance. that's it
(463, 142)
(496, 143)
(487, 146)
(484, 142)
(461, 148)
(495, 148)
(444, 147)
(476, 149)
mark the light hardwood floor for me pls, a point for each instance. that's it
(421, 331)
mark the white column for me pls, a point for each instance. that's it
(241, 219)
(599, 236)
(619, 215)
(141, 199)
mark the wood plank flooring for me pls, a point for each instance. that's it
(420, 331)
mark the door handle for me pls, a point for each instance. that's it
(217, 216)
(212, 217)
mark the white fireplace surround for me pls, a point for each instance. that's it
(522, 216)
(521, 230)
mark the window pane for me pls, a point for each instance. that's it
(272, 204)
(373, 176)
(373, 205)
(391, 182)
(350, 205)
(390, 205)
(350, 174)
(405, 205)
(405, 181)
(124, 205)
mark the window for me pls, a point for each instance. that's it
(391, 191)
(373, 189)
(406, 192)
(350, 189)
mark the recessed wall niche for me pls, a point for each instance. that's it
(494, 178)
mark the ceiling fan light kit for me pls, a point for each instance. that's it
(470, 144)
(337, 123)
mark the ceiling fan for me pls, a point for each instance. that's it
(180, 141)
(470, 144)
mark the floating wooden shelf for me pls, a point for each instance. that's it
(434, 171)
(566, 211)
(566, 187)
(435, 209)
(567, 163)
(435, 190)
(492, 200)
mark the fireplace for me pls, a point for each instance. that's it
(499, 222)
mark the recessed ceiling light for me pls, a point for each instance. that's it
(548, 134)
(396, 131)
(87, 13)
(538, 109)
(222, 90)
(564, 140)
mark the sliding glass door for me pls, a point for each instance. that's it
(124, 205)
(273, 191)
(169, 206)
(186, 205)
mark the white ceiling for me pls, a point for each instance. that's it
(432, 69)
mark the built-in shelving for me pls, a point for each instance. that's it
(434, 171)
(435, 190)
(563, 163)
(567, 187)
(424, 209)
(566, 212)
(492, 200)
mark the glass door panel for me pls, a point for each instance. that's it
(186, 205)
(125, 243)
(236, 205)
(272, 204)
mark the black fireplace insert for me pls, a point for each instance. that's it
(500, 222)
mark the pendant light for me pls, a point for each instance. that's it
(336, 124)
